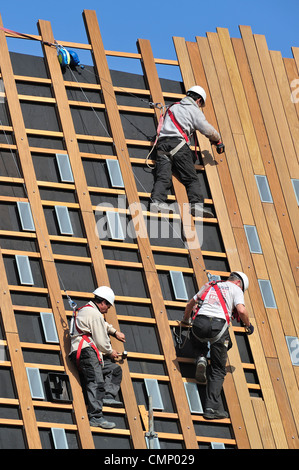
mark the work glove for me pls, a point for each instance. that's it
(249, 329)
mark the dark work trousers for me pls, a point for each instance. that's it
(182, 165)
(98, 381)
(208, 327)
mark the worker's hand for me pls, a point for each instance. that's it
(120, 336)
(114, 354)
(249, 329)
(185, 322)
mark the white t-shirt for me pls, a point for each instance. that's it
(211, 307)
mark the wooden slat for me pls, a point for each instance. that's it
(285, 93)
(225, 131)
(235, 125)
(271, 126)
(86, 210)
(16, 357)
(271, 172)
(39, 220)
(293, 77)
(277, 105)
(264, 424)
(142, 238)
(229, 243)
(220, 161)
(285, 364)
(282, 398)
(249, 180)
(180, 192)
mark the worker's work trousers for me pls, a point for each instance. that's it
(182, 165)
(98, 381)
(209, 327)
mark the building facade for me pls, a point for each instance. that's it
(75, 182)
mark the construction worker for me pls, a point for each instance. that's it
(93, 355)
(174, 154)
(213, 306)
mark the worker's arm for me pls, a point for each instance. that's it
(188, 310)
(205, 128)
(244, 316)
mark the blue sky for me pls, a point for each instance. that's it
(123, 22)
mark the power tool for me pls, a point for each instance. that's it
(220, 147)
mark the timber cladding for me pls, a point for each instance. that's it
(73, 169)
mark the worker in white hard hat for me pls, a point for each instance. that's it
(92, 352)
(181, 120)
(211, 310)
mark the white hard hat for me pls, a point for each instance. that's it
(199, 91)
(243, 278)
(105, 293)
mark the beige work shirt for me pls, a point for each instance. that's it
(91, 321)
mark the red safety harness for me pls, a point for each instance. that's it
(85, 337)
(177, 125)
(220, 297)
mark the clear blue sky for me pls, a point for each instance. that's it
(123, 22)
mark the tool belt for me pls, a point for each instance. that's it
(172, 152)
(215, 338)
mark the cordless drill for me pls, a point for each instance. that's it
(220, 147)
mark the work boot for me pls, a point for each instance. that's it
(214, 414)
(199, 210)
(112, 402)
(201, 368)
(102, 423)
(159, 206)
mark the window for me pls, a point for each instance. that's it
(115, 174)
(178, 285)
(152, 389)
(253, 239)
(25, 216)
(59, 438)
(24, 270)
(156, 442)
(64, 220)
(267, 293)
(217, 445)
(64, 167)
(293, 347)
(193, 397)
(296, 189)
(49, 327)
(115, 230)
(263, 187)
(35, 383)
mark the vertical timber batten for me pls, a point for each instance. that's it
(229, 243)
(41, 227)
(88, 217)
(142, 238)
(250, 99)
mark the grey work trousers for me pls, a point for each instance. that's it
(98, 381)
(209, 327)
(182, 165)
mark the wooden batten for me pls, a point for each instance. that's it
(250, 101)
